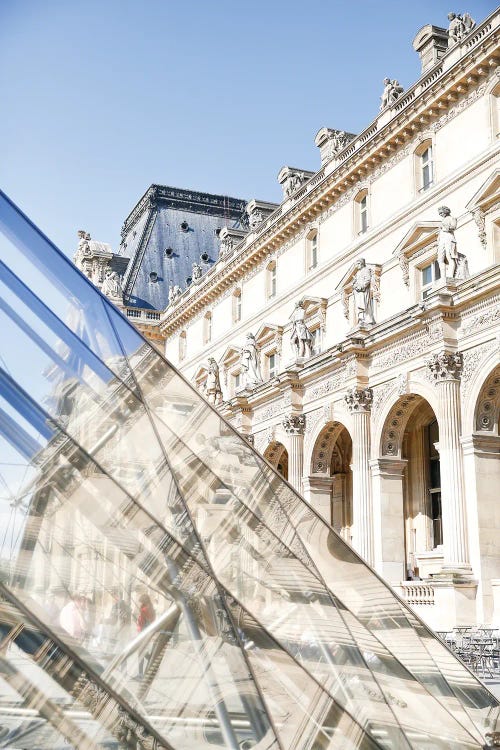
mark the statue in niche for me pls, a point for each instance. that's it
(362, 287)
(249, 363)
(301, 337)
(451, 263)
(213, 389)
(112, 286)
(391, 92)
(196, 273)
(458, 27)
(174, 292)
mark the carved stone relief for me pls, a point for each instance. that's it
(488, 403)
(395, 424)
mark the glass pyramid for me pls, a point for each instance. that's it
(160, 585)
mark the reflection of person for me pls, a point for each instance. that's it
(74, 617)
(301, 336)
(146, 616)
(447, 245)
(250, 362)
(363, 296)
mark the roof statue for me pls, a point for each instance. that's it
(458, 27)
(392, 91)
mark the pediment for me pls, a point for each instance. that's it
(268, 331)
(231, 354)
(487, 194)
(421, 234)
(200, 372)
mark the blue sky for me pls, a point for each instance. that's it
(101, 98)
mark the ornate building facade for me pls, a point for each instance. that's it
(352, 332)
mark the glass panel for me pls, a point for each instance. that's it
(162, 577)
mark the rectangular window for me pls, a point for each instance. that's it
(272, 282)
(313, 258)
(272, 365)
(363, 214)
(316, 341)
(237, 381)
(427, 169)
(237, 308)
(430, 274)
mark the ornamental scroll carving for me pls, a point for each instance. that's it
(445, 366)
(359, 399)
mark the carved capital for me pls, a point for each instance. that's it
(294, 424)
(445, 366)
(359, 399)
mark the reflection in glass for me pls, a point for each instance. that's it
(160, 585)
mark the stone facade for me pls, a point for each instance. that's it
(389, 422)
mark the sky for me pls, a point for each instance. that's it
(102, 98)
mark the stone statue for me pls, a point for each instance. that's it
(458, 27)
(174, 292)
(249, 362)
(300, 337)
(112, 286)
(83, 243)
(363, 294)
(254, 219)
(212, 384)
(391, 92)
(294, 181)
(196, 273)
(226, 245)
(447, 254)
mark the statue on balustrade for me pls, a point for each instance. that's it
(249, 363)
(362, 287)
(459, 26)
(213, 389)
(196, 273)
(174, 292)
(391, 92)
(301, 337)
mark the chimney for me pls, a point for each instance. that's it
(431, 43)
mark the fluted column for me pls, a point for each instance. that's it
(359, 402)
(294, 426)
(446, 369)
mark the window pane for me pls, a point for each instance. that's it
(427, 275)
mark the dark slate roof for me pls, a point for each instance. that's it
(156, 224)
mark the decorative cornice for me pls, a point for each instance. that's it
(359, 399)
(445, 366)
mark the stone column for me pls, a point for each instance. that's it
(318, 492)
(388, 518)
(359, 401)
(446, 369)
(294, 426)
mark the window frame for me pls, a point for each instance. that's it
(362, 212)
(271, 280)
(207, 328)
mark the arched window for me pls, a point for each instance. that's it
(424, 166)
(207, 328)
(361, 219)
(312, 250)
(271, 280)
(182, 346)
(237, 306)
